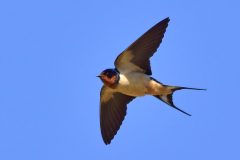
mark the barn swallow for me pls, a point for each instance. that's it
(131, 78)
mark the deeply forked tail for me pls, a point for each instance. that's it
(168, 98)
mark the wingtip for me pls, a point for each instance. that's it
(167, 19)
(106, 142)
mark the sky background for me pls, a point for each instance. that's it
(51, 52)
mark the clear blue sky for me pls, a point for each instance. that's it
(51, 51)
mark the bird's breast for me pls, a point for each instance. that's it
(133, 84)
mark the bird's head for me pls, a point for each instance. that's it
(109, 77)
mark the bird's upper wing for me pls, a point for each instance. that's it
(113, 107)
(136, 56)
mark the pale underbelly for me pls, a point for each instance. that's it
(135, 91)
(137, 84)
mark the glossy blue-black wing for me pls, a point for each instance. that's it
(113, 108)
(137, 56)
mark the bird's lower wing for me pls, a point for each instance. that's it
(113, 107)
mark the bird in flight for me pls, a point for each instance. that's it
(131, 78)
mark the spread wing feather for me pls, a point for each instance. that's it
(137, 56)
(113, 107)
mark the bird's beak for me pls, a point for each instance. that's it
(99, 76)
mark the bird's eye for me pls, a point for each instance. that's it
(109, 75)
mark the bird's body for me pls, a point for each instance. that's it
(131, 78)
(138, 84)
(133, 84)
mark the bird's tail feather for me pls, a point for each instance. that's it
(168, 98)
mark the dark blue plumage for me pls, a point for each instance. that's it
(110, 72)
